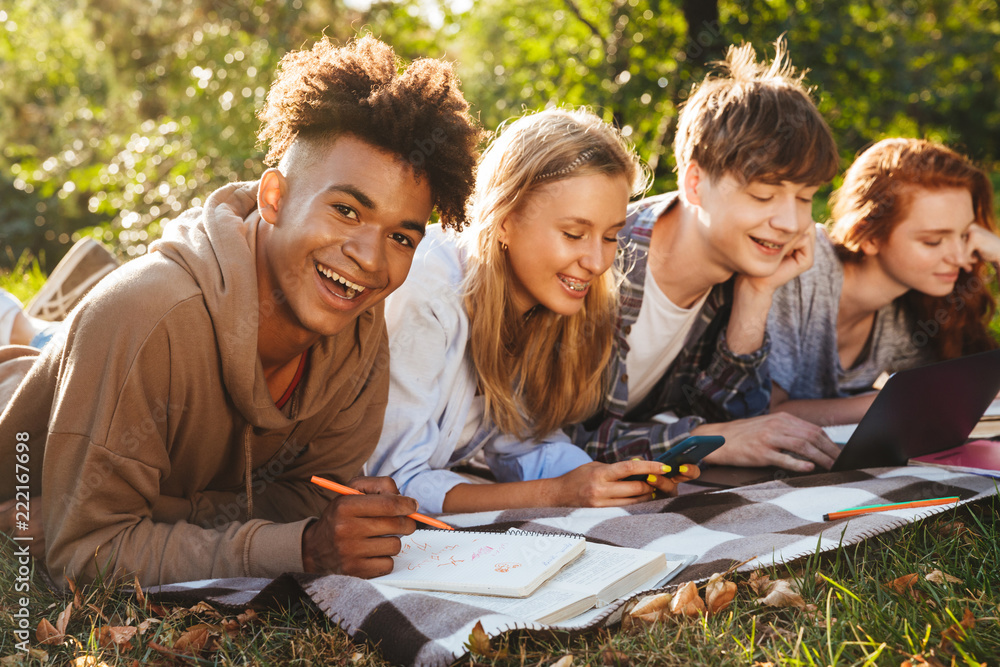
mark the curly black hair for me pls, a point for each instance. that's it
(418, 114)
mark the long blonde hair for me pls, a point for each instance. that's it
(540, 371)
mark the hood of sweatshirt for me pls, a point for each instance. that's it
(216, 245)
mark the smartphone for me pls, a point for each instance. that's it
(689, 450)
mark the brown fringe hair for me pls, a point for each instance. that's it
(757, 123)
(540, 371)
(876, 196)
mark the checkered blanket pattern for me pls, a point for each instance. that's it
(760, 525)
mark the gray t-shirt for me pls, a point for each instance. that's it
(803, 327)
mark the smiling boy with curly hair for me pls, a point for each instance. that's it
(201, 386)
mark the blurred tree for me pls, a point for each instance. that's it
(120, 114)
(928, 68)
(623, 59)
(115, 115)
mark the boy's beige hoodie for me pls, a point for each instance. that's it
(155, 411)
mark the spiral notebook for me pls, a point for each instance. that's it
(508, 565)
(597, 578)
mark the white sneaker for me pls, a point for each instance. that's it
(83, 266)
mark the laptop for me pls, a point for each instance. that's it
(919, 411)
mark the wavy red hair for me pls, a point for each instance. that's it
(875, 198)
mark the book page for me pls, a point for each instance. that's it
(841, 433)
(993, 411)
(601, 567)
(484, 563)
(986, 428)
(545, 605)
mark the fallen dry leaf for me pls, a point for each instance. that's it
(19, 657)
(939, 577)
(759, 582)
(46, 633)
(77, 597)
(249, 616)
(148, 623)
(231, 626)
(919, 660)
(193, 639)
(145, 603)
(479, 643)
(904, 584)
(87, 661)
(952, 634)
(652, 604)
(204, 608)
(648, 610)
(956, 529)
(719, 594)
(160, 648)
(771, 632)
(118, 636)
(652, 617)
(140, 596)
(100, 612)
(613, 658)
(63, 619)
(564, 661)
(957, 631)
(784, 593)
(686, 601)
(157, 609)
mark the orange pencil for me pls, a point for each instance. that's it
(855, 511)
(348, 491)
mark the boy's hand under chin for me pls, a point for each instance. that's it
(798, 258)
(753, 295)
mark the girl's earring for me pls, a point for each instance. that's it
(503, 246)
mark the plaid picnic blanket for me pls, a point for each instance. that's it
(760, 525)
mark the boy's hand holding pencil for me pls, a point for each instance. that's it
(358, 534)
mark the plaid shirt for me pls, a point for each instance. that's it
(705, 382)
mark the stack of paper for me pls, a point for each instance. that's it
(600, 575)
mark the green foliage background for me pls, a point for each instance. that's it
(115, 115)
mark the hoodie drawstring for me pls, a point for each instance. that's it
(248, 471)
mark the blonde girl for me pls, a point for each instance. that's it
(501, 335)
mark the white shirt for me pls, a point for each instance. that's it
(656, 338)
(433, 419)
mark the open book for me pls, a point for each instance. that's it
(504, 564)
(981, 457)
(597, 578)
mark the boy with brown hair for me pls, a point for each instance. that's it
(703, 265)
(201, 386)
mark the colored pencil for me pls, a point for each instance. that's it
(855, 511)
(348, 491)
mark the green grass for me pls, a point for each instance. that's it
(25, 279)
(858, 620)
